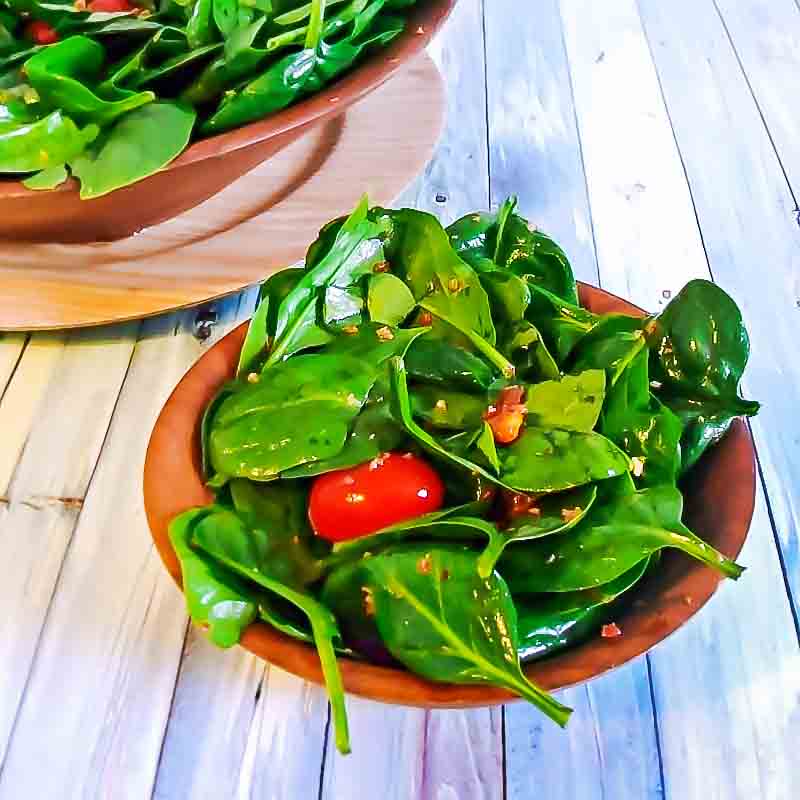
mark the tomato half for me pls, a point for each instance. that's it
(40, 32)
(110, 6)
(389, 489)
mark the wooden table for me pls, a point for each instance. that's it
(657, 142)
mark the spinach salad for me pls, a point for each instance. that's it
(111, 91)
(433, 456)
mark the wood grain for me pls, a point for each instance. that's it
(754, 232)
(113, 632)
(534, 149)
(718, 757)
(687, 164)
(765, 36)
(537, 154)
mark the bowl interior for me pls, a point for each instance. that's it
(720, 496)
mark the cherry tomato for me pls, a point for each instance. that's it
(355, 502)
(110, 6)
(40, 32)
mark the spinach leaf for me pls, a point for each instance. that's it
(528, 352)
(257, 339)
(445, 409)
(550, 460)
(551, 514)
(572, 403)
(231, 550)
(550, 622)
(699, 350)
(356, 251)
(375, 431)
(139, 144)
(618, 534)
(323, 58)
(434, 360)
(280, 541)
(441, 282)
(509, 241)
(611, 345)
(444, 622)
(562, 324)
(642, 426)
(45, 143)
(301, 410)
(60, 73)
(389, 300)
(540, 460)
(214, 596)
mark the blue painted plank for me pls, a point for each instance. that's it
(609, 748)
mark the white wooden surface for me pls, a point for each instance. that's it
(658, 142)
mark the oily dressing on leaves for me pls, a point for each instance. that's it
(398, 336)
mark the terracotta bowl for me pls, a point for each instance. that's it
(208, 166)
(719, 506)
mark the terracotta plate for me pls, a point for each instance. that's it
(719, 507)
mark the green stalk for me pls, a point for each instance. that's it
(315, 21)
(494, 356)
(323, 628)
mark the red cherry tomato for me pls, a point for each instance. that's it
(110, 6)
(355, 502)
(40, 32)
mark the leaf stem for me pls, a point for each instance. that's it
(315, 20)
(495, 357)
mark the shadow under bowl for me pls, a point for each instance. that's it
(208, 166)
(719, 501)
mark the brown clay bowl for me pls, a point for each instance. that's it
(719, 506)
(207, 167)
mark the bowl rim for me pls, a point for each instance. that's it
(423, 24)
(173, 456)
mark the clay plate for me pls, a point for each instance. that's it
(208, 166)
(719, 506)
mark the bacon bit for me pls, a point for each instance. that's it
(487, 494)
(425, 318)
(424, 565)
(385, 334)
(506, 415)
(367, 601)
(569, 514)
(253, 377)
(611, 631)
(381, 266)
(506, 426)
(511, 396)
(516, 504)
(638, 467)
(350, 329)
